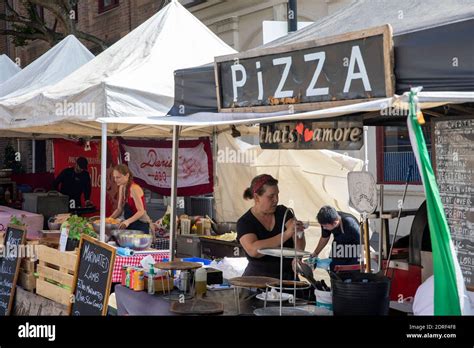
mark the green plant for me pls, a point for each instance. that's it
(16, 221)
(166, 220)
(78, 226)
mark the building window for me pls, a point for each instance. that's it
(40, 12)
(191, 3)
(105, 5)
(75, 8)
(40, 154)
(395, 155)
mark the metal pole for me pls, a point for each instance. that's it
(382, 231)
(292, 16)
(400, 208)
(215, 150)
(366, 150)
(33, 145)
(103, 180)
(174, 188)
(52, 156)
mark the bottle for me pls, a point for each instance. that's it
(125, 251)
(151, 282)
(201, 281)
(7, 196)
(139, 282)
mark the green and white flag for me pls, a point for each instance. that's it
(450, 296)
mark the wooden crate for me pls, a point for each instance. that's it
(55, 269)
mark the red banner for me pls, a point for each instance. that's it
(150, 163)
(65, 154)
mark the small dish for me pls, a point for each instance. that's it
(284, 297)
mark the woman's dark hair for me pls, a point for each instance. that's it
(327, 215)
(257, 186)
(124, 170)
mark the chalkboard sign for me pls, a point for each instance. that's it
(10, 266)
(453, 156)
(92, 278)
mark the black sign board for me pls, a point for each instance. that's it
(454, 162)
(93, 277)
(330, 135)
(310, 75)
(10, 266)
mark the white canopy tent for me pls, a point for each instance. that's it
(54, 65)
(132, 78)
(7, 68)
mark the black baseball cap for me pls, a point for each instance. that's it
(82, 163)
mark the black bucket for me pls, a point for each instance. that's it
(365, 294)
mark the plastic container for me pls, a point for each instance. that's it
(323, 299)
(125, 251)
(151, 284)
(205, 262)
(365, 294)
(200, 278)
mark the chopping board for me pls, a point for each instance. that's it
(197, 306)
(178, 265)
(252, 282)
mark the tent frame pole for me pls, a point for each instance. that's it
(103, 178)
(174, 190)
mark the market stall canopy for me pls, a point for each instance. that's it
(206, 120)
(432, 40)
(133, 77)
(54, 65)
(7, 68)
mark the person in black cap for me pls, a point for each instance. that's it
(75, 181)
(345, 229)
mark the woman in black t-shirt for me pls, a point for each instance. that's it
(260, 227)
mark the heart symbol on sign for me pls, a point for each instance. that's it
(299, 128)
(308, 134)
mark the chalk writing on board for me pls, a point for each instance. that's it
(92, 284)
(454, 163)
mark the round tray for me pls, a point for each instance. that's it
(286, 311)
(285, 297)
(252, 282)
(289, 285)
(287, 252)
(178, 265)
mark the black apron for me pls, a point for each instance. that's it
(270, 269)
(137, 225)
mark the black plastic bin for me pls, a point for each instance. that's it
(365, 294)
